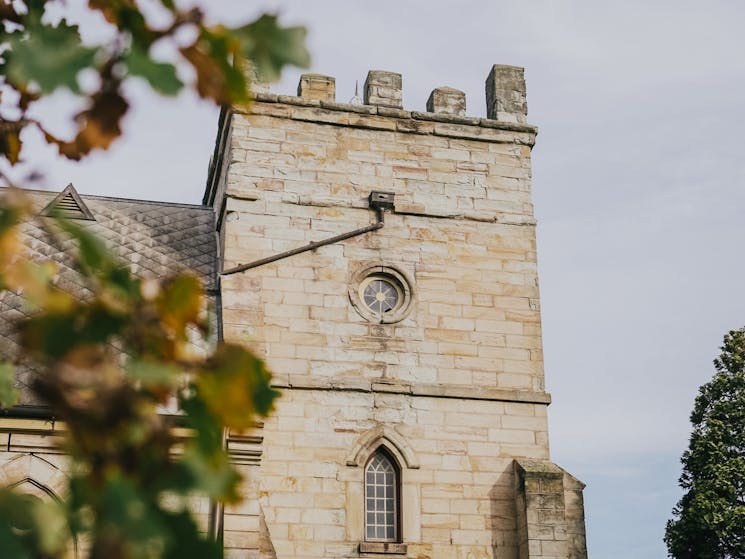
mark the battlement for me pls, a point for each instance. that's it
(382, 95)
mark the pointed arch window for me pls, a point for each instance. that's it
(382, 505)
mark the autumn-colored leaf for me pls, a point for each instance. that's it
(210, 77)
(98, 126)
(10, 141)
(35, 282)
(180, 303)
(13, 205)
(8, 13)
(126, 15)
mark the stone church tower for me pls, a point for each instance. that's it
(383, 261)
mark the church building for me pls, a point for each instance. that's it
(383, 262)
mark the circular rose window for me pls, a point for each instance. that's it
(381, 294)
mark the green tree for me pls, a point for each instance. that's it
(109, 362)
(709, 520)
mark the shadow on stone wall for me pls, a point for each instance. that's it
(502, 516)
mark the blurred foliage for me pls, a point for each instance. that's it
(709, 520)
(111, 362)
(39, 57)
(114, 360)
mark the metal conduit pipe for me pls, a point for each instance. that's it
(379, 201)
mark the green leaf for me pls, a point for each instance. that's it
(52, 534)
(212, 474)
(30, 527)
(16, 521)
(272, 47)
(10, 543)
(161, 76)
(53, 335)
(207, 430)
(235, 385)
(11, 211)
(188, 542)
(49, 56)
(8, 393)
(94, 255)
(96, 260)
(180, 302)
(128, 519)
(154, 374)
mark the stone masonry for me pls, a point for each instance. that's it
(452, 386)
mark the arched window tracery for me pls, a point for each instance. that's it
(382, 503)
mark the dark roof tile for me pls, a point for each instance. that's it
(154, 238)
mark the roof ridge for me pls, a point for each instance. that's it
(121, 199)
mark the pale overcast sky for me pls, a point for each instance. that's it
(638, 189)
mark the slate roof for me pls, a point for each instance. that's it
(155, 238)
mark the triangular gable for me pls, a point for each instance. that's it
(68, 204)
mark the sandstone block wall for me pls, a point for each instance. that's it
(452, 388)
(463, 230)
(457, 487)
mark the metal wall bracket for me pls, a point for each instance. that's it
(380, 200)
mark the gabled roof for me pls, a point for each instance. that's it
(156, 239)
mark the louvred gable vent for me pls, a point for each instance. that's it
(68, 204)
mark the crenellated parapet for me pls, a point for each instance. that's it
(505, 95)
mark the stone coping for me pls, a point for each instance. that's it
(543, 468)
(306, 382)
(369, 116)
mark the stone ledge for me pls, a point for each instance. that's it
(306, 382)
(30, 426)
(389, 112)
(383, 547)
(402, 207)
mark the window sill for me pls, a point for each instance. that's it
(383, 547)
